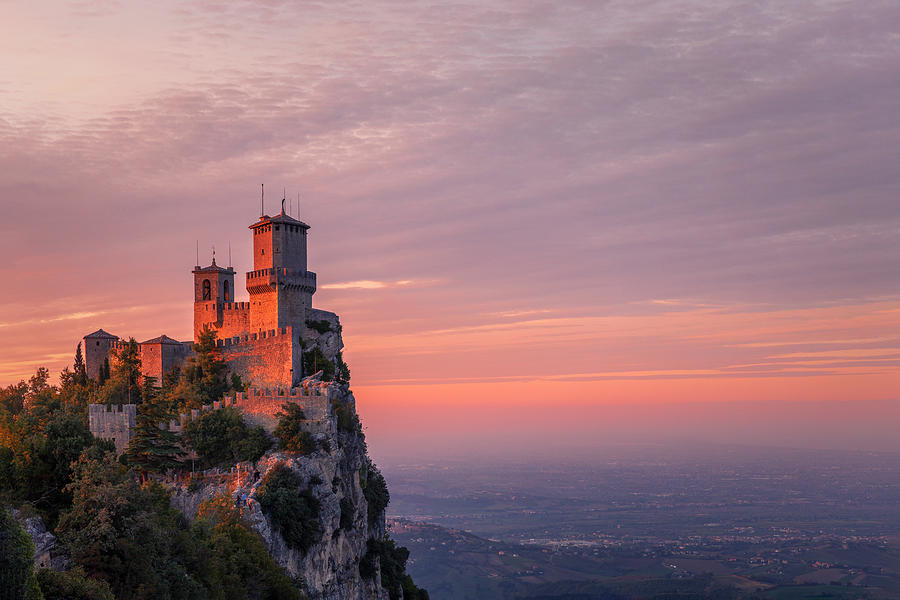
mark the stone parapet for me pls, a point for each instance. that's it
(112, 422)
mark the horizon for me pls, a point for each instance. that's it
(544, 222)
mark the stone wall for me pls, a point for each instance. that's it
(112, 422)
(229, 319)
(261, 406)
(160, 358)
(266, 359)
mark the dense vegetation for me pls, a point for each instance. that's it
(376, 492)
(393, 569)
(289, 503)
(290, 432)
(221, 437)
(112, 517)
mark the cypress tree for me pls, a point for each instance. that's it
(80, 368)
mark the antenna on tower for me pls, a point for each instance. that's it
(198, 253)
(214, 253)
(298, 206)
(229, 254)
(262, 200)
(283, 198)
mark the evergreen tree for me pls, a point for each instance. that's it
(154, 449)
(103, 375)
(207, 369)
(123, 385)
(80, 368)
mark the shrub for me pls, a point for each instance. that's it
(293, 512)
(289, 431)
(321, 326)
(314, 361)
(376, 492)
(347, 420)
(393, 566)
(72, 585)
(222, 437)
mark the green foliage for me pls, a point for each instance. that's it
(347, 419)
(392, 559)
(72, 585)
(80, 369)
(124, 382)
(342, 374)
(289, 431)
(151, 449)
(376, 492)
(221, 437)
(314, 361)
(16, 559)
(125, 534)
(293, 512)
(237, 565)
(207, 369)
(322, 326)
(411, 591)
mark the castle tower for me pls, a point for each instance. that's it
(213, 290)
(279, 285)
(96, 350)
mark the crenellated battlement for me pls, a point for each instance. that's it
(112, 422)
(254, 337)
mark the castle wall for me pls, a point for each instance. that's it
(262, 406)
(112, 422)
(268, 358)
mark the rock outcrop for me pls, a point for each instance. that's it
(335, 474)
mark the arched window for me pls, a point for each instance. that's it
(226, 291)
(207, 290)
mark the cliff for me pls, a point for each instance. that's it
(333, 477)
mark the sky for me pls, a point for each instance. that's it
(539, 221)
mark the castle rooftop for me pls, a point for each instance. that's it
(102, 335)
(213, 268)
(163, 339)
(282, 218)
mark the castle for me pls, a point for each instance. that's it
(261, 340)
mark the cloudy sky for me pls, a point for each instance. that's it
(518, 208)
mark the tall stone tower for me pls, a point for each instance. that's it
(96, 349)
(279, 285)
(213, 291)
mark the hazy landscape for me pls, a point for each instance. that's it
(714, 521)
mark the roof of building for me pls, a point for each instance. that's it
(101, 334)
(213, 268)
(282, 218)
(163, 339)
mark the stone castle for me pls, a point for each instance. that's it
(261, 340)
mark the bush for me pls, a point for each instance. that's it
(289, 431)
(72, 585)
(294, 513)
(221, 437)
(376, 492)
(314, 361)
(321, 326)
(393, 566)
(347, 420)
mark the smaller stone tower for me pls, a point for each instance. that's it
(213, 289)
(96, 350)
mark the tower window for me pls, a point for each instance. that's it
(226, 291)
(207, 290)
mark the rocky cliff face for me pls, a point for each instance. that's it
(335, 474)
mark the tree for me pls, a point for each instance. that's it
(124, 382)
(222, 437)
(16, 560)
(290, 430)
(79, 368)
(126, 534)
(376, 492)
(207, 368)
(154, 449)
(293, 512)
